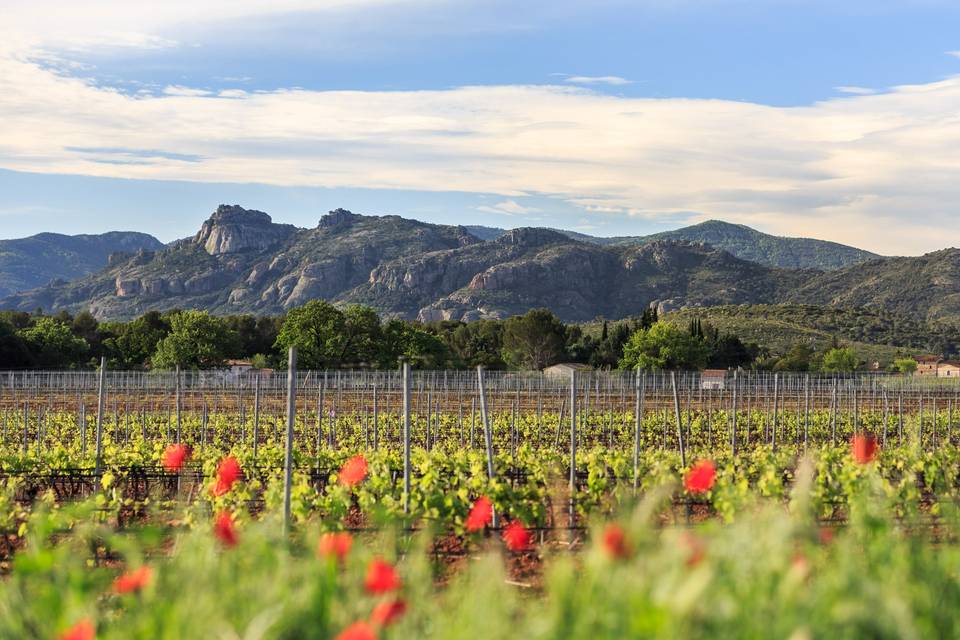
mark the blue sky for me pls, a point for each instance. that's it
(609, 117)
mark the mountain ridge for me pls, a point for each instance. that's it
(740, 240)
(240, 261)
(27, 263)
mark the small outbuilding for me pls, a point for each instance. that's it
(713, 379)
(564, 369)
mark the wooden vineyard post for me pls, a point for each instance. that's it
(487, 434)
(920, 427)
(886, 417)
(26, 423)
(833, 412)
(406, 437)
(178, 402)
(676, 411)
(288, 454)
(320, 388)
(733, 421)
(203, 427)
(638, 418)
(376, 421)
(806, 411)
(776, 396)
(573, 448)
(83, 430)
(101, 400)
(256, 416)
(473, 423)
(900, 418)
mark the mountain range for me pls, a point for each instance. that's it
(240, 261)
(27, 263)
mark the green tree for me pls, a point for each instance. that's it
(130, 345)
(477, 343)
(197, 340)
(663, 346)
(534, 340)
(255, 335)
(726, 351)
(361, 335)
(603, 353)
(839, 360)
(905, 365)
(798, 358)
(401, 339)
(53, 345)
(85, 326)
(14, 353)
(318, 331)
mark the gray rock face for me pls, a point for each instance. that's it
(233, 229)
(126, 288)
(337, 218)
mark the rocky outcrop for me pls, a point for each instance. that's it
(338, 218)
(233, 229)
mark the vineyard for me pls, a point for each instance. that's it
(760, 505)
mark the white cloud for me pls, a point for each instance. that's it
(878, 171)
(955, 54)
(177, 90)
(589, 80)
(857, 91)
(509, 207)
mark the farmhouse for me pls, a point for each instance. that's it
(927, 365)
(948, 369)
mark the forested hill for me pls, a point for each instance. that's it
(26, 263)
(738, 240)
(774, 251)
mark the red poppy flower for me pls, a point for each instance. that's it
(224, 530)
(825, 535)
(133, 580)
(174, 456)
(335, 545)
(700, 477)
(228, 472)
(696, 548)
(353, 471)
(481, 514)
(358, 631)
(800, 566)
(614, 541)
(82, 630)
(517, 537)
(388, 612)
(381, 577)
(864, 448)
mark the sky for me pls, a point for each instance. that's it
(835, 120)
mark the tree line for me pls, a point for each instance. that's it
(330, 337)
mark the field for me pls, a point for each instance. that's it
(427, 504)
